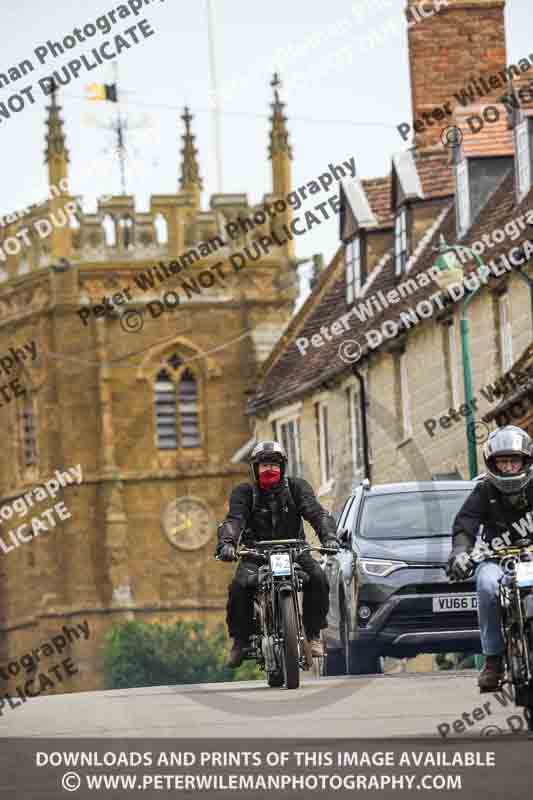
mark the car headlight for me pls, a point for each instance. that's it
(379, 567)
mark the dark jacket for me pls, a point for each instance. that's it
(278, 514)
(488, 507)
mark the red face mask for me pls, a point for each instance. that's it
(269, 477)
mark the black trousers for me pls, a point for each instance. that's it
(315, 599)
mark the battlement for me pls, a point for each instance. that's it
(116, 231)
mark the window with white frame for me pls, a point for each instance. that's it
(463, 198)
(523, 158)
(352, 261)
(324, 443)
(356, 430)
(400, 241)
(405, 398)
(506, 335)
(288, 435)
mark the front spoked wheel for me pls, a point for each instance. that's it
(289, 650)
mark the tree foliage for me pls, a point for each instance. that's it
(142, 654)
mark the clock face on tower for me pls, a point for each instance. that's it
(187, 523)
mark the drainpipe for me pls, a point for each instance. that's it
(362, 400)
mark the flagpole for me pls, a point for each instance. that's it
(120, 137)
(214, 93)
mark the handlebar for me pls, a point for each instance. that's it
(306, 549)
(283, 543)
(484, 552)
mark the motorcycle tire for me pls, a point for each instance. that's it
(275, 680)
(289, 655)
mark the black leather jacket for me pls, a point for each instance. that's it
(503, 523)
(278, 514)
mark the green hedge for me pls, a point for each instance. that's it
(140, 654)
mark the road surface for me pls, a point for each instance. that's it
(392, 705)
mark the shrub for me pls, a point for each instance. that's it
(142, 654)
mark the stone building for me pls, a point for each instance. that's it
(373, 349)
(150, 404)
(367, 381)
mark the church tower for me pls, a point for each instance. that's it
(146, 392)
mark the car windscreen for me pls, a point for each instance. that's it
(410, 514)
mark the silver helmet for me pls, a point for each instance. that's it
(268, 452)
(509, 441)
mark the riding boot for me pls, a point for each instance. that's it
(237, 653)
(492, 674)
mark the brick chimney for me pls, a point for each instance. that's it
(461, 41)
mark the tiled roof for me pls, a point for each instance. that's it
(523, 365)
(493, 139)
(295, 374)
(378, 194)
(299, 319)
(436, 173)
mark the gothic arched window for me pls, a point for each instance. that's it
(126, 232)
(165, 412)
(188, 411)
(161, 229)
(177, 411)
(110, 231)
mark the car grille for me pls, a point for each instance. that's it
(405, 620)
(437, 588)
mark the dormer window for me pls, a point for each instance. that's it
(400, 241)
(353, 261)
(463, 198)
(523, 159)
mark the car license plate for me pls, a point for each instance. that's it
(455, 602)
(280, 564)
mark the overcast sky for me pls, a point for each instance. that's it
(351, 109)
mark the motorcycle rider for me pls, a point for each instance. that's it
(503, 498)
(272, 508)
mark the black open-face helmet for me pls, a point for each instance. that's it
(509, 441)
(268, 452)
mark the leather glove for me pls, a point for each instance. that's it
(331, 542)
(460, 566)
(226, 552)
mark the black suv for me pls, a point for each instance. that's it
(389, 593)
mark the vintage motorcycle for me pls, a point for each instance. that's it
(516, 608)
(278, 642)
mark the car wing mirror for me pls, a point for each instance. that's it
(344, 537)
